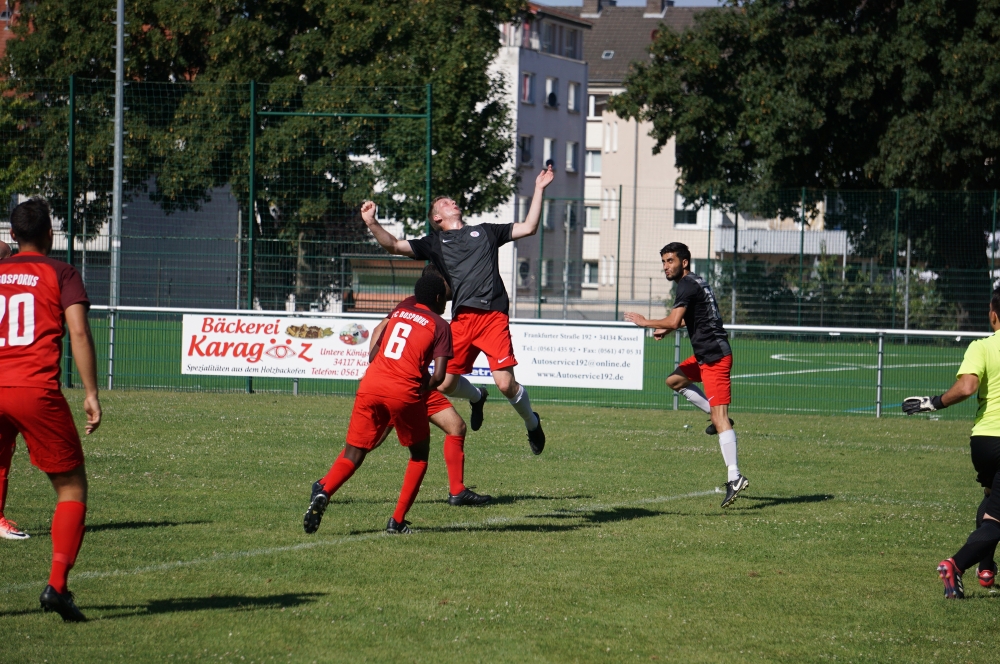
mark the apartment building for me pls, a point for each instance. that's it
(541, 61)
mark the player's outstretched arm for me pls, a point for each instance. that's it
(964, 387)
(673, 320)
(382, 236)
(530, 225)
(82, 343)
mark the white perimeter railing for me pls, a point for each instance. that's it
(878, 334)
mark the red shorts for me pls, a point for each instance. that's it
(43, 417)
(476, 330)
(373, 414)
(436, 402)
(715, 377)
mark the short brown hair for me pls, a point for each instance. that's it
(995, 301)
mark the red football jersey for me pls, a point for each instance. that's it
(412, 338)
(35, 292)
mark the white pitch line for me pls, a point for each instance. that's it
(858, 367)
(235, 555)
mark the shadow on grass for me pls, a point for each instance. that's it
(126, 525)
(773, 501)
(511, 500)
(586, 519)
(183, 604)
(210, 603)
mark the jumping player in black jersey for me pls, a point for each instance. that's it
(695, 307)
(467, 257)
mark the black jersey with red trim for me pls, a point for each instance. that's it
(469, 259)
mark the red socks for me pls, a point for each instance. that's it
(415, 471)
(340, 472)
(67, 536)
(5, 456)
(454, 459)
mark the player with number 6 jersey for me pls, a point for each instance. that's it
(38, 296)
(393, 393)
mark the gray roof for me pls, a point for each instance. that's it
(625, 31)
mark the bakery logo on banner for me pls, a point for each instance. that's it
(316, 348)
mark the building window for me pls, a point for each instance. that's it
(614, 137)
(549, 152)
(527, 88)
(595, 105)
(523, 272)
(546, 273)
(552, 92)
(525, 144)
(547, 216)
(571, 158)
(593, 164)
(548, 38)
(571, 215)
(573, 97)
(590, 273)
(611, 204)
(607, 137)
(523, 204)
(683, 214)
(593, 220)
(570, 47)
(607, 55)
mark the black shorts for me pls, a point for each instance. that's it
(986, 460)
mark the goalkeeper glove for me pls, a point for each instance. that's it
(913, 405)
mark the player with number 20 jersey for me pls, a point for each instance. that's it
(38, 296)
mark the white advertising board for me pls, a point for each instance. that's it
(602, 358)
(597, 358)
(278, 347)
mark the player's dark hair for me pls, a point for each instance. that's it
(31, 222)
(678, 249)
(430, 268)
(429, 287)
(995, 301)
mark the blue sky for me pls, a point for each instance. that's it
(632, 3)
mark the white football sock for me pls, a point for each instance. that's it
(727, 442)
(522, 405)
(694, 394)
(464, 389)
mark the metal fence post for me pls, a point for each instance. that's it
(677, 359)
(541, 259)
(878, 379)
(709, 250)
(802, 246)
(427, 186)
(118, 193)
(68, 351)
(252, 217)
(895, 260)
(736, 257)
(993, 244)
(618, 253)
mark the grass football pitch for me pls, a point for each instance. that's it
(610, 546)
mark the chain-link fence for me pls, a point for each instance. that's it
(900, 259)
(197, 153)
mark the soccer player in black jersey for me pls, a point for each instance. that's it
(468, 258)
(695, 307)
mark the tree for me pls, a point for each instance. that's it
(310, 52)
(767, 95)
(845, 94)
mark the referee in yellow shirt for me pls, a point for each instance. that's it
(979, 374)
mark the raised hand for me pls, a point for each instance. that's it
(632, 317)
(368, 212)
(659, 333)
(544, 178)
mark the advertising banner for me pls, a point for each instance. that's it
(277, 347)
(603, 358)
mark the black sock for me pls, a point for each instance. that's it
(981, 542)
(988, 561)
